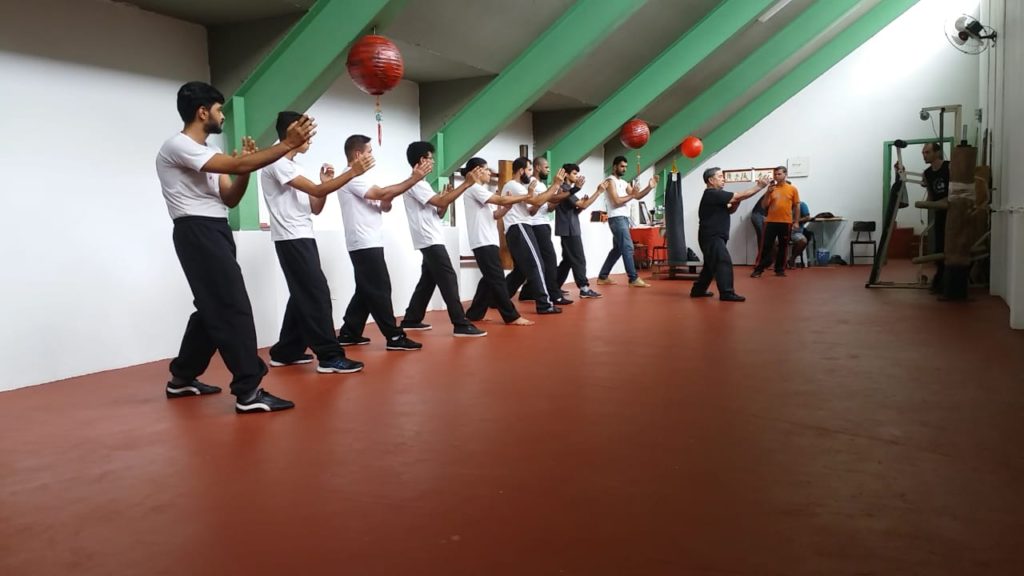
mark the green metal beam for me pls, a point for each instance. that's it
(294, 75)
(745, 75)
(657, 76)
(526, 79)
(807, 71)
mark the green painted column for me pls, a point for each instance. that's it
(294, 75)
(796, 80)
(797, 34)
(657, 76)
(526, 79)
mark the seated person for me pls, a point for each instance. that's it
(800, 235)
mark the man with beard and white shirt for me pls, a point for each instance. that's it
(198, 192)
(540, 223)
(482, 231)
(362, 203)
(292, 199)
(618, 194)
(424, 209)
(519, 233)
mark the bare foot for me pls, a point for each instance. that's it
(521, 322)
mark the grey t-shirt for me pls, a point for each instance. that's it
(567, 215)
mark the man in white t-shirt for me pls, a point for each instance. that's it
(618, 195)
(482, 230)
(361, 206)
(540, 222)
(292, 199)
(519, 233)
(424, 210)
(198, 192)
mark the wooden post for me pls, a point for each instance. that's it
(504, 175)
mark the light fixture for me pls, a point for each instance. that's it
(773, 11)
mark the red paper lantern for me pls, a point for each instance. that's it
(691, 147)
(634, 134)
(375, 64)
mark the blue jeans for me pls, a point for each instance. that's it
(622, 246)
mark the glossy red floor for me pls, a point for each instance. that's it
(819, 428)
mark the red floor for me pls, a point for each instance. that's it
(819, 428)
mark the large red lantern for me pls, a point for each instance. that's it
(376, 66)
(634, 134)
(691, 147)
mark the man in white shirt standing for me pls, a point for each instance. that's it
(361, 206)
(618, 195)
(541, 225)
(482, 230)
(424, 210)
(292, 199)
(198, 192)
(519, 234)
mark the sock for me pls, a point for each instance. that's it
(178, 381)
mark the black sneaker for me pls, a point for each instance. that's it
(732, 297)
(339, 366)
(756, 274)
(469, 331)
(704, 294)
(349, 340)
(563, 301)
(262, 401)
(551, 310)
(415, 326)
(403, 344)
(588, 293)
(780, 273)
(194, 388)
(304, 359)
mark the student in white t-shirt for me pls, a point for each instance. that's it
(519, 233)
(361, 206)
(292, 199)
(540, 222)
(424, 210)
(198, 192)
(618, 195)
(482, 230)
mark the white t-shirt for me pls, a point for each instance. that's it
(424, 221)
(187, 190)
(519, 214)
(541, 217)
(363, 222)
(482, 229)
(619, 187)
(290, 215)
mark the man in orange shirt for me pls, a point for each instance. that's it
(783, 203)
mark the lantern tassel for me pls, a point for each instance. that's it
(380, 117)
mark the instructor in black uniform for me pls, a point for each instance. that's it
(716, 207)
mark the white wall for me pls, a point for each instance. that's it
(89, 279)
(841, 120)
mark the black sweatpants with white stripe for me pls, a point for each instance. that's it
(308, 319)
(549, 260)
(527, 258)
(223, 319)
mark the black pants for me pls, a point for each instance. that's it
(939, 245)
(774, 232)
(717, 265)
(573, 258)
(516, 278)
(437, 272)
(223, 320)
(308, 320)
(492, 289)
(372, 296)
(526, 255)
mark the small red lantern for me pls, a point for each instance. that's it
(376, 66)
(691, 147)
(634, 134)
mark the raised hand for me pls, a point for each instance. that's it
(654, 181)
(479, 175)
(559, 177)
(249, 146)
(762, 181)
(364, 163)
(327, 172)
(425, 166)
(446, 190)
(533, 186)
(581, 180)
(300, 131)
